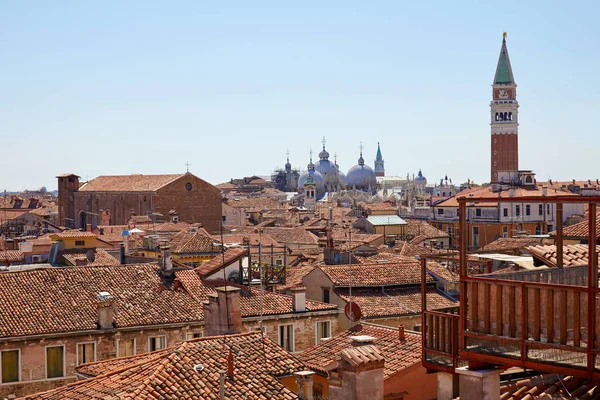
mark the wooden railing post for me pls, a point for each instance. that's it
(559, 235)
(592, 283)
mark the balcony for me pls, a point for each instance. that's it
(543, 320)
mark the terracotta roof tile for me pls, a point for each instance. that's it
(128, 183)
(170, 373)
(486, 192)
(550, 386)
(580, 230)
(513, 244)
(220, 260)
(422, 228)
(398, 354)
(374, 302)
(101, 258)
(11, 256)
(186, 242)
(294, 276)
(574, 255)
(377, 274)
(73, 235)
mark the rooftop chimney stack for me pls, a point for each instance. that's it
(305, 385)
(401, 335)
(106, 310)
(222, 312)
(165, 262)
(358, 374)
(299, 299)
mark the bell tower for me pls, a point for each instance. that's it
(504, 117)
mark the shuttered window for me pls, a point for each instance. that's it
(126, 347)
(86, 352)
(10, 366)
(286, 337)
(55, 362)
(157, 343)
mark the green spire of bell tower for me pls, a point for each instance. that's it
(504, 75)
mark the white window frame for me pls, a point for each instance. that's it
(46, 362)
(134, 347)
(154, 337)
(77, 351)
(317, 339)
(19, 371)
(292, 341)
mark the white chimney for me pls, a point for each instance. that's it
(299, 299)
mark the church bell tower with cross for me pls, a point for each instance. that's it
(504, 117)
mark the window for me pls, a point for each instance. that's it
(527, 209)
(86, 352)
(286, 337)
(279, 262)
(550, 228)
(540, 209)
(55, 362)
(79, 243)
(325, 296)
(157, 343)
(478, 212)
(505, 212)
(188, 186)
(517, 210)
(125, 347)
(505, 231)
(10, 366)
(547, 208)
(194, 335)
(440, 211)
(323, 330)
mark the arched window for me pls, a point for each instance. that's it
(510, 116)
(501, 119)
(496, 116)
(528, 179)
(506, 116)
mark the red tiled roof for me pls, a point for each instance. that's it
(255, 203)
(170, 373)
(220, 260)
(550, 386)
(442, 272)
(101, 258)
(374, 302)
(580, 230)
(294, 276)
(64, 299)
(398, 354)
(273, 303)
(169, 227)
(254, 239)
(422, 228)
(574, 255)
(73, 235)
(364, 275)
(128, 183)
(10, 256)
(512, 244)
(193, 242)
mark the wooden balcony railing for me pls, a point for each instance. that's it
(544, 320)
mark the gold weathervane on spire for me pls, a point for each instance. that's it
(504, 35)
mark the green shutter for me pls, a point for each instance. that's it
(10, 366)
(54, 362)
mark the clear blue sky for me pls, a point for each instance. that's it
(142, 87)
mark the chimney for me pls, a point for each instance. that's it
(165, 262)
(299, 299)
(544, 191)
(122, 255)
(106, 310)
(222, 312)
(230, 366)
(401, 333)
(358, 374)
(305, 384)
(88, 227)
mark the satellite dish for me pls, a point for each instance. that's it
(356, 313)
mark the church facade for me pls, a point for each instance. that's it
(119, 197)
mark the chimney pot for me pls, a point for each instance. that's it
(230, 366)
(361, 340)
(401, 333)
(165, 261)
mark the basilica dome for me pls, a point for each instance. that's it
(317, 179)
(328, 170)
(361, 177)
